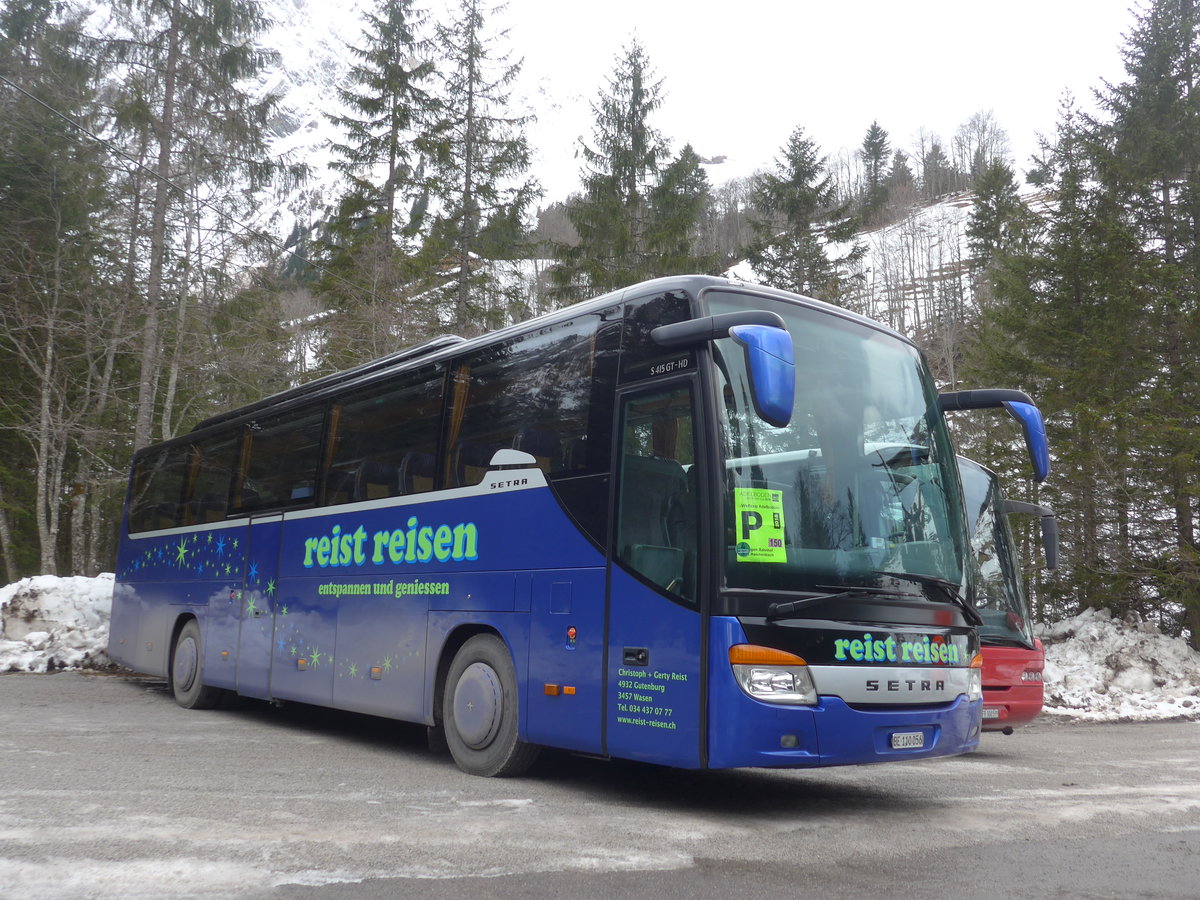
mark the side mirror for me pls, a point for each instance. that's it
(770, 357)
(1049, 527)
(771, 362)
(1020, 407)
(1036, 442)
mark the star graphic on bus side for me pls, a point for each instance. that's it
(271, 588)
(181, 552)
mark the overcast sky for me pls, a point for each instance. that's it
(738, 76)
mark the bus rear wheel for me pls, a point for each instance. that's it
(479, 710)
(187, 660)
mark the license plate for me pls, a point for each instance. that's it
(908, 740)
(991, 712)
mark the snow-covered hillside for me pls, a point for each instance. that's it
(1097, 668)
(313, 40)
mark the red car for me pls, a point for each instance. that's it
(1013, 658)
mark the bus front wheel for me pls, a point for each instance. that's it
(479, 710)
(186, 665)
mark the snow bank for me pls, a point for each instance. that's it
(48, 623)
(1101, 668)
(1097, 668)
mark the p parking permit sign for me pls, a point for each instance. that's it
(759, 514)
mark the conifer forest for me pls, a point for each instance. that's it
(141, 291)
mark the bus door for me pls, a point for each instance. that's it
(654, 625)
(260, 590)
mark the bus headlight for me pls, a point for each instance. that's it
(774, 676)
(975, 674)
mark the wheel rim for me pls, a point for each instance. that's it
(185, 664)
(478, 705)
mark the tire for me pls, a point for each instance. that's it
(187, 665)
(479, 711)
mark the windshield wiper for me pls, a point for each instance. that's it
(948, 590)
(785, 608)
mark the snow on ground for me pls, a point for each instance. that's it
(1097, 668)
(48, 623)
(1101, 668)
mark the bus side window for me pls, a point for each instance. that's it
(214, 464)
(656, 514)
(544, 446)
(534, 394)
(387, 439)
(282, 461)
(160, 481)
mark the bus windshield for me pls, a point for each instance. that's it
(1001, 593)
(860, 485)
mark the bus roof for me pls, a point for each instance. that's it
(446, 346)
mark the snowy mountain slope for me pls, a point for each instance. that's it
(313, 40)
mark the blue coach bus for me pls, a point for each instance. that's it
(692, 522)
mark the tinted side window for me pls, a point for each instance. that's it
(213, 465)
(536, 393)
(281, 455)
(640, 356)
(384, 439)
(159, 483)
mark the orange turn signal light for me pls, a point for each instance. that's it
(754, 655)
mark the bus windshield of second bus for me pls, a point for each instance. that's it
(1013, 658)
(1001, 595)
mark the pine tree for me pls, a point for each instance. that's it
(481, 171)
(56, 313)
(621, 168)
(801, 224)
(369, 247)
(938, 175)
(678, 205)
(874, 153)
(1063, 322)
(901, 184)
(1153, 133)
(389, 112)
(1000, 221)
(1001, 227)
